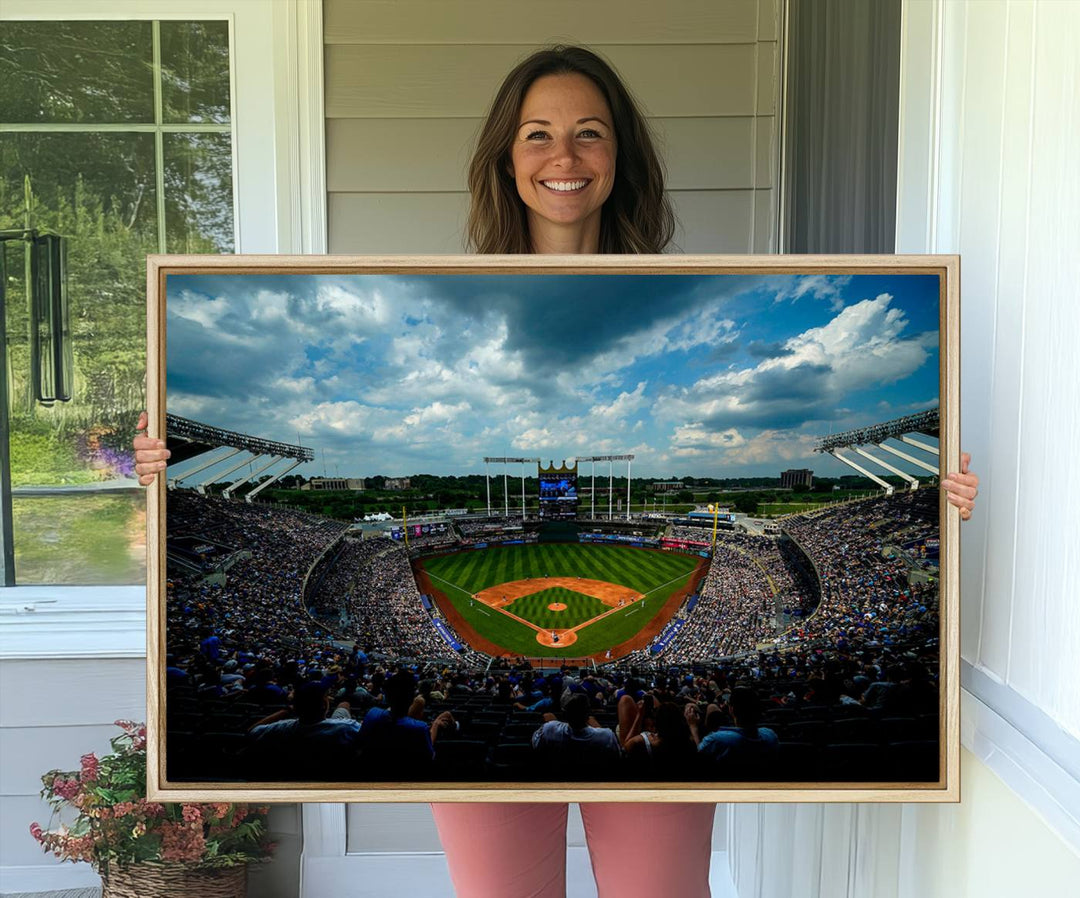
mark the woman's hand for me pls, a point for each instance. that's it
(962, 488)
(150, 454)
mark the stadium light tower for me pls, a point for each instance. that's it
(506, 493)
(609, 459)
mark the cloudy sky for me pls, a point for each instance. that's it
(714, 375)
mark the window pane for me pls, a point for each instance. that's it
(98, 191)
(76, 72)
(198, 193)
(82, 539)
(195, 71)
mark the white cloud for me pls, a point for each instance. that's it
(623, 405)
(696, 435)
(817, 286)
(861, 347)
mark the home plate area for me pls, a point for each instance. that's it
(557, 607)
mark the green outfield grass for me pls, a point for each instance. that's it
(534, 608)
(656, 574)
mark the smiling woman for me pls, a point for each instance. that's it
(562, 117)
(563, 162)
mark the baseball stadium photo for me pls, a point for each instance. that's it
(542, 528)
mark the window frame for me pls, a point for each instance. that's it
(279, 206)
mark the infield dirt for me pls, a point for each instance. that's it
(609, 593)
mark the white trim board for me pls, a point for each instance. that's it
(1049, 788)
(42, 622)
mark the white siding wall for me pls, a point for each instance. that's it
(989, 138)
(408, 82)
(1013, 211)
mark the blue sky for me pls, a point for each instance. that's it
(712, 375)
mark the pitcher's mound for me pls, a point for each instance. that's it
(566, 637)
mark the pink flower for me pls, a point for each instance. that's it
(89, 768)
(181, 842)
(65, 788)
(123, 808)
(192, 814)
(36, 832)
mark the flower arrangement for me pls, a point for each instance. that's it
(116, 825)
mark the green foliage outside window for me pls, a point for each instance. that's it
(90, 151)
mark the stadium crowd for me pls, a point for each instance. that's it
(865, 594)
(799, 714)
(695, 534)
(384, 606)
(856, 680)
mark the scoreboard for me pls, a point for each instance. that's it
(558, 491)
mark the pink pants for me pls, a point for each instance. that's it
(519, 850)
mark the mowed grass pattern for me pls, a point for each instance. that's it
(654, 573)
(579, 608)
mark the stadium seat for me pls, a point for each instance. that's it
(777, 715)
(182, 759)
(797, 762)
(482, 729)
(460, 760)
(814, 731)
(512, 762)
(913, 762)
(927, 726)
(898, 729)
(221, 753)
(518, 732)
(852, 762)
(853, 729)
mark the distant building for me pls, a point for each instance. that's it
(797, 477)
(669, 486)
(397, 483)
(356, 484)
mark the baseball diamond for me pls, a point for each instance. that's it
(542, 599)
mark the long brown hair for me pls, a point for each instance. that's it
(637, 216)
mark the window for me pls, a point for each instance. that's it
(118, 136)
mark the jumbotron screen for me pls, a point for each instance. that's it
(558, 493)
(558, 487)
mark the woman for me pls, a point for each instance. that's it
(565, 164)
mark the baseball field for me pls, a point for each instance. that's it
(559, 599)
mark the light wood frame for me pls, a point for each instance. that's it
(947, 789)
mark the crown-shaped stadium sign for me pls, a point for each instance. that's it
(563, 469)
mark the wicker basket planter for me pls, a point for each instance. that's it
(148, 880)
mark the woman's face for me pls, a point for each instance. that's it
(563, 155)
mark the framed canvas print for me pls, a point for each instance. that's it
(553, 528)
